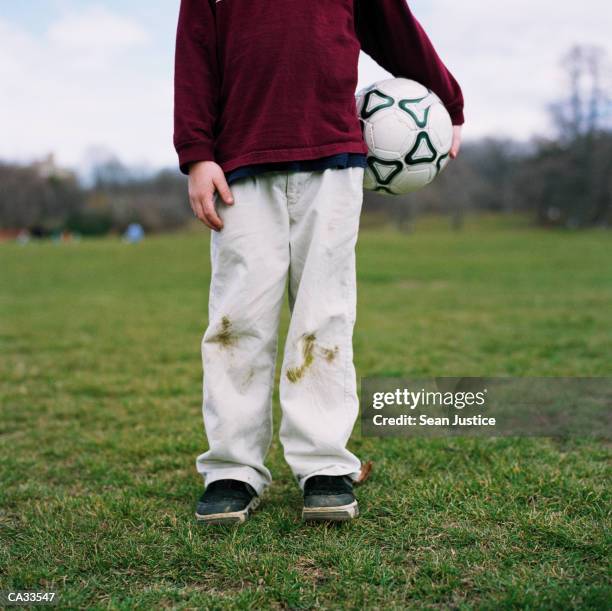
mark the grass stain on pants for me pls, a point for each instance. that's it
(300, 226)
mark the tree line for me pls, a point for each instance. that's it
(564, 180)
(44, 199)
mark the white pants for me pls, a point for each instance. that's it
(302, 226)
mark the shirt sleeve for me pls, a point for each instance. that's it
(391, 35)
(196, 83)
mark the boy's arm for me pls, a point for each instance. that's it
(390, 34)
(196, 83)
(196, 91)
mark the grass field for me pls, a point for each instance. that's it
(100, 393)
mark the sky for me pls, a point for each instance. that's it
(84, 79)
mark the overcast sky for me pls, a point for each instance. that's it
(80, 75)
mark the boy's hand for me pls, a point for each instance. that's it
(206, 177)
(456, 145)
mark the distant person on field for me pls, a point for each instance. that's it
(264, 103)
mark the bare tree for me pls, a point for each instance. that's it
(573, 172)
(587, 106)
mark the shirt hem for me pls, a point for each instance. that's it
(341, 161)
(292, 154)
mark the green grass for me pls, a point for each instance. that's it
(100, 391)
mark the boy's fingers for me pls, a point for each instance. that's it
(224, 190)
(211, 214)
(454, 152)
(197, 205)
(454, 149)
(456, 145)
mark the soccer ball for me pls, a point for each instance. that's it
(408, 132)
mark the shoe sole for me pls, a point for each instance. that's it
(343, 513)
(231, 517)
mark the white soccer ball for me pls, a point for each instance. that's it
(408, 132)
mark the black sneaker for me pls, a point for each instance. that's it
(226, 501)
(329, 498)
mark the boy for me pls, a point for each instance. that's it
(264, 102)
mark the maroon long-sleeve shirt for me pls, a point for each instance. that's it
(259, 81)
